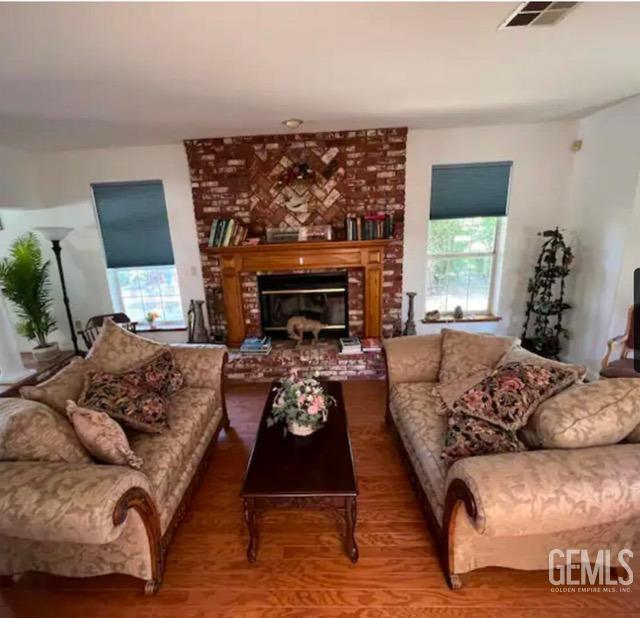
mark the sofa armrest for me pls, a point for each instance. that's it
(540, 492)
(201, 365)
(413, 359)
(78, 503)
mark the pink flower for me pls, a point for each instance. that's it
(313, 409)
(473, 399)
(301, 399)
(510, 383)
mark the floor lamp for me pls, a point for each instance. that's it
(55, 235)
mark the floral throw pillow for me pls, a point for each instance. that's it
(129, 403)
(485, 419)
(159, 374)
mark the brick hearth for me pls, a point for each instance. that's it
(306, 359)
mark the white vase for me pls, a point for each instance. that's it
(300, 430)
(47, 353)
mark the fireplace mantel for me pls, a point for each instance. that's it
(365, 254)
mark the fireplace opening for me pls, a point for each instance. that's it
(317, 296)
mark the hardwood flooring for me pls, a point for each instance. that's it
(302, 569)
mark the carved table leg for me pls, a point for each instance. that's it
(250, 519)
(351, 509)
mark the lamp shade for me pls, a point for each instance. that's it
(54, 233)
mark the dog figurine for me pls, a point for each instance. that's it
(298, 325)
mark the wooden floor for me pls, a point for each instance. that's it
(301, 568)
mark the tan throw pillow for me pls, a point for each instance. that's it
(464, 353)
(102, 436)
(66, 384)
(116, 349)
(30, 431)
(595, 414)
(518, 354)
(486, 418)
(132, 405)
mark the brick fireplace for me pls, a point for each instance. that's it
(356, 172)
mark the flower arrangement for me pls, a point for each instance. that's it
(151, 317)
(302, 404)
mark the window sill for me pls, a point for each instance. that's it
(161, 329)
(449, 319)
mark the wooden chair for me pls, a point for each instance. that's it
(623, 367)
(94, 324)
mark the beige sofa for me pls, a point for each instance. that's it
(82, 520)
(505, 510)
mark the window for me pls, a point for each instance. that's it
(462, 257)
(137, 245)
(467, 216)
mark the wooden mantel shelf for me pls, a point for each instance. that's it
(365, 254)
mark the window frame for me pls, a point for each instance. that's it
(117, 299)
(496, 267)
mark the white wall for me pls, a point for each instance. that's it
(63, 180)
(539, 199)
(605, 196)
(17, 181)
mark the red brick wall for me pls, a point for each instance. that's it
(237, 177)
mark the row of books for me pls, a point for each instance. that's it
(370, 226)
(256, 345)
(227, 233)
(354, 345)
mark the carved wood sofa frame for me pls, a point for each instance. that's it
(139, 500)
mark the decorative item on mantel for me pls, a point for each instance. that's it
(458, 313)
(546, 303)
(301, 404)
(25, 282)
(196, 328)
(410, 324)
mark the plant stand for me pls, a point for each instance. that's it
(543, 331)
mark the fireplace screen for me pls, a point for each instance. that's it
(317, 296)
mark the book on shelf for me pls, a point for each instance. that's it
(350, 345)
(371, 226)
(227, 233)
(371, 344)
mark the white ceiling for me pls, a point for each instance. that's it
(86, 75)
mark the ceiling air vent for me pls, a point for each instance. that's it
(538, 14)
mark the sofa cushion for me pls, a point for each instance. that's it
(130, 404)
(102, 436)
(422, 426)
(30, 431)
(595, 414)
(116, 349)
(518, 354)
(64, 385)
(413, 359)
(463, 353)
(158, 374)
(485, 419)
(164, 455)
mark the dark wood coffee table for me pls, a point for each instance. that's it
(317, 471)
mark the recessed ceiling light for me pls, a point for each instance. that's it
(538, 14)
(292, 123)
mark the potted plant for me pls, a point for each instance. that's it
(302, 404)
(24, 279)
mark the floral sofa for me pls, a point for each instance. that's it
(510, 509)
(86, 519)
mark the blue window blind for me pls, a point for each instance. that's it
(134, 224)
(470, 190)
